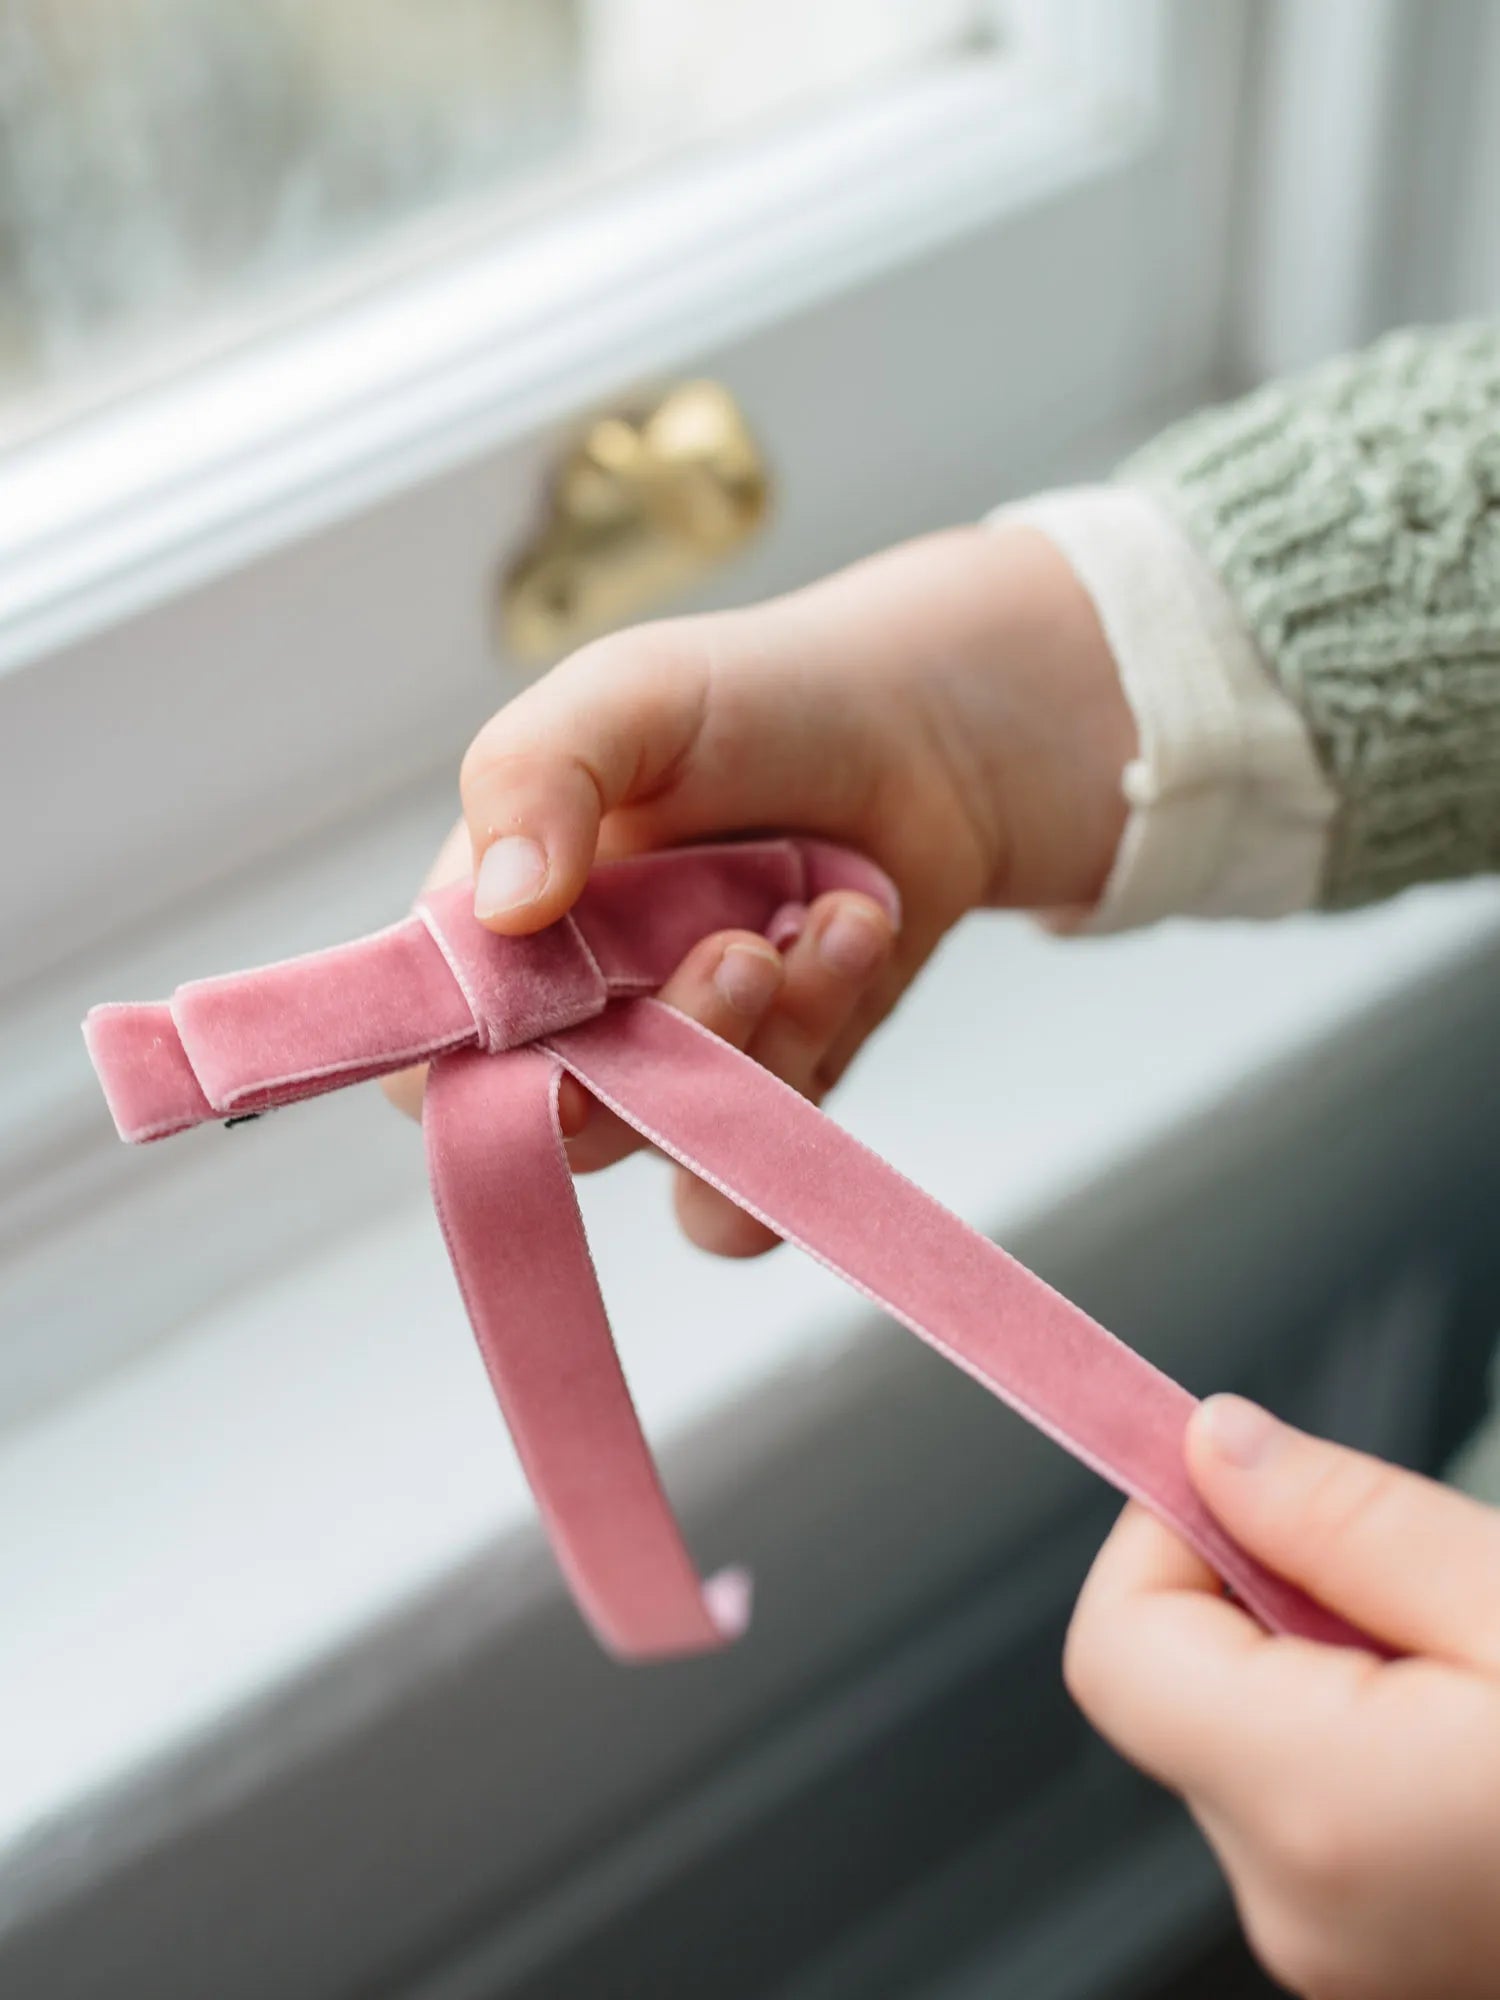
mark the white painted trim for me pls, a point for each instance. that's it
(1327, 77)
(1367, 198)
(255, 449)
(1119, 51)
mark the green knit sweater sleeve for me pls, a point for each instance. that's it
(1354, 517)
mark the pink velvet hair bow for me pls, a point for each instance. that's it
(500, 1020)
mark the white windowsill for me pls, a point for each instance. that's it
(268, 1489)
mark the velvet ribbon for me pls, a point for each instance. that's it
(500, 1020)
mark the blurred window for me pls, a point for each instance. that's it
(174, 171)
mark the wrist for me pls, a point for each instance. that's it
(1043, 723)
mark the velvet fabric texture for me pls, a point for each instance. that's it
(500, 1019)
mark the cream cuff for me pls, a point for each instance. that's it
(1229, 809)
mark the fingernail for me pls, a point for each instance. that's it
(748, 978)
(511, 872)
(1240, 1432)
(854, 943)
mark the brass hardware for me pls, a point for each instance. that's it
(646, 503)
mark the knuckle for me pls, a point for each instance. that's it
(478, 761)
(664, 653)
(1318, 1845)
(489, 757)
(632, 647)
(1349, 1499)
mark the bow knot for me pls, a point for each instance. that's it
(517, 988)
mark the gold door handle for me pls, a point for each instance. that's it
(643, 505)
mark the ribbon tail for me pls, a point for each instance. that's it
(734, 1124)
(505, 1199)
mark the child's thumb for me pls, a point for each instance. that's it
(603, 730)
(1404, 1558)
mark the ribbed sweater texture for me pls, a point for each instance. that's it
(1354, 517)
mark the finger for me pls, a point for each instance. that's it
(714, 1223)
(876, 1007)
(608, 725)
(1405, 1558)
(690, 726)
(922, 930)
(845, 942)
(406, 1089)
(1179, 1680)
(727, 982)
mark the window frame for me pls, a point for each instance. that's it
(185, 556)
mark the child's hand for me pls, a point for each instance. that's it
(950, 708)
(1354, 1804)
